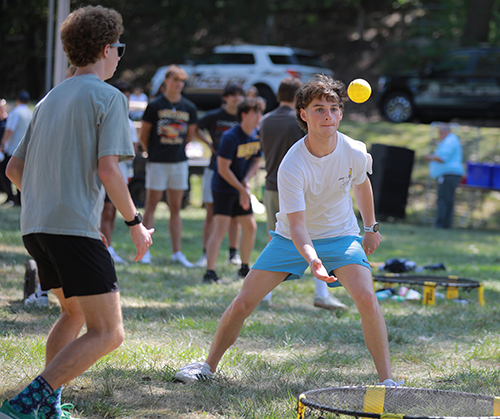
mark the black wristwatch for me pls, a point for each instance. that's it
(373, 229)
(137, 220)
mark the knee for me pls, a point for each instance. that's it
(367, 303)
(240, 308)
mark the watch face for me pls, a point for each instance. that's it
(375, 227)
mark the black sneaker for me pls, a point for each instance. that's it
(211, 277)
(243, 271)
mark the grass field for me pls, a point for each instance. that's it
(170, 319)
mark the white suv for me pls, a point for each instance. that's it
(248, 65)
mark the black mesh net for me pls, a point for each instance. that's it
(402, 402)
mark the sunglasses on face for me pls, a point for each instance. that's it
(121, 48)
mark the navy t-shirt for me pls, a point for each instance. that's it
(241, 149)
(217, 122)
(167, 139)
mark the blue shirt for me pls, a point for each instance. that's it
(241, 149)
(450, 151)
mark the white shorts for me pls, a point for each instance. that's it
(208, 197)
(163, 176)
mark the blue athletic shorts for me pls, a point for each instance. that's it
(281, 255)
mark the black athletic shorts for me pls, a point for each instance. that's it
(229, 204)
(80, 265)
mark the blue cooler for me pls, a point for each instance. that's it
(479, 174)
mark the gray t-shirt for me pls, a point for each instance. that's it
(77, 123)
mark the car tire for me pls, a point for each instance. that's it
(266, 93)
(398, 107)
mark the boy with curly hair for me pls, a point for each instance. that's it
(71, 149)
(316, 227)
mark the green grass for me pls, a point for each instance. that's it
(170, 319)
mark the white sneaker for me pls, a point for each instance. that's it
(114, 255)
(194, 372)
(329, 303)
(202, 262)
(34, 301)
(391, 383)
(234, 260)
(146, 258)
(179, 257)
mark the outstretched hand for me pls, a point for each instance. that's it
(141, 237)
(319, 271)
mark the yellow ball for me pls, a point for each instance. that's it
(359, 90)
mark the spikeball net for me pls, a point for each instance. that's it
(396, 403)
(451, 283)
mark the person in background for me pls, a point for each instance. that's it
(279, 130)
(108, 215)
(63, 165)
(238, 160)
(446, 165)
(217, 122)
(3, 122)
(17, 123)
(168, 124)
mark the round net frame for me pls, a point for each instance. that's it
(397, 403)
(452, 283)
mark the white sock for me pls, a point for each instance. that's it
(321, 288)
(268, 296)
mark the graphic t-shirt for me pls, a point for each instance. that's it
(167, 139)
(241, 149)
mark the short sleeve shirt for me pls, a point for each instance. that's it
(167, 139)
(217, 122)
(241, 149)
(78, 122)
(321, 187)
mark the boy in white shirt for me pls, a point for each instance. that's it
(316, 227)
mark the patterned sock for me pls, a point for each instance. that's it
(50, 408)
(30, 398)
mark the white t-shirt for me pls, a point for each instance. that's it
(321, 188)
(17, 122)
(74, 125)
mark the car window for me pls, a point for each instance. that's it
(454, 64)
(280, 59)
(488, 63)
(235, 58)
(310, 60)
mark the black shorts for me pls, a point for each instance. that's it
(229, 204)
(80, 265)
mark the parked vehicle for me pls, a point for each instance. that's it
(465, 83)
(249, 65)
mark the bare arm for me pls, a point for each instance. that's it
(191, 132)
(117, 190)
(14, 171)
(364, 198)
(304, 244)
(252, 171)
(200, 134)
(5, 138)
(144, 135)
(224, 169)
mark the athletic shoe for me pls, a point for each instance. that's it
(146, 258)
(36, 301)
(7, 412)
(65, 408)
(234, 260)
(329, 303)
(114, 255)
(179, 257)
(194, 372)
(391, 383)
(211, 277)
(243, 271)
(202, 262)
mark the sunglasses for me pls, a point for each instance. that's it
(121, 48)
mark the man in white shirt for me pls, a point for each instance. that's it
(17, 123)
(316, 227)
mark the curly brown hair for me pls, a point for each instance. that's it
(87, 30)
(250, 103)
(318, 87)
